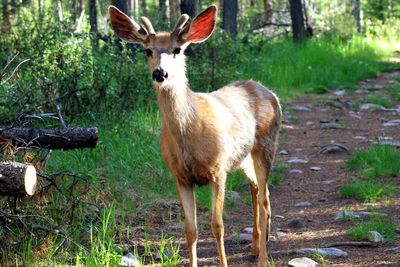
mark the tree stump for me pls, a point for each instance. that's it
(17, 179)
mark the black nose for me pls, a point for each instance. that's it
(159, 75)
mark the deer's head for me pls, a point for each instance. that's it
(165, 50)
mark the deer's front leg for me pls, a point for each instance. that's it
(186, 194)
(217, 224)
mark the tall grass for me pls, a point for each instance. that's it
(291, 69)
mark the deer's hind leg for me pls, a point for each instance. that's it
(247, 168)
(262, 167)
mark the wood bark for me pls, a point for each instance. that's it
(358, 14)
(17, 179)
(144, 8)
(296, 14)
(93, 25)
(268, 11)
(6, 17)
(174, 10)
(164, 12)
(189, 7)
(229, 17)
(58, 138)
(122, 5)
(59, 11)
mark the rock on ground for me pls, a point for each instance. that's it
(302, 262)
(325, 252)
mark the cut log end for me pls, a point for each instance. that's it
(17, 179)
(30, 180)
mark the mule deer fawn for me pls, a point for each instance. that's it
(205, 136)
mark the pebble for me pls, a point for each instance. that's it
(283, 152)
(340, 92)
(394, 250)
(280, 234)
(295, 223)
(359, 137)
(375, 237)
(129, 260)
(325, 252)
(315, 168)
(301, 108)
(279, 217)
(308, 123)
(245, 238)
(303, 204)
(295, 171)
(331, 125)
(357, 214)
(391, 123)
(302, 262)
(248, 230)
(369, 106)
(297, 160)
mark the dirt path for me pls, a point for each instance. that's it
(302, 137)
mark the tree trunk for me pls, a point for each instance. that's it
(174, 10)
(41, 8)
(93, 25)
(268, 11)
(358, 14)
(81, 11)
(296, 14)
(144, 8)
(122, 5)
(6, 16)
(59, 11)
(58, 138)
(189, 7)
(163, 10)
(17, 179)
(136, 9)
(229, 17)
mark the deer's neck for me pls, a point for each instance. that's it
(176, 108)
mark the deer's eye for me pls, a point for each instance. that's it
(176, 51)
(148, 51)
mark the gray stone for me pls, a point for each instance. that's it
(301, 108)
(357, 214)
(295, 171)
(394, 143)
(303, 204)
(325, 252)
(371, 107)
(302, 262)
(340, 92)
(280, 234)
(295, 223)
(297, 160)
(308, 123)
(245, 238)
(129, 260)
(233, 195)
(359, 137)
(391, 123)
(375, 237)
(393, 250)
(279, 217)
(331, 125)
(248, 230)
(315, 168)
(283, 152)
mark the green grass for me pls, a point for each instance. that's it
(395, 92)
(321, 63)
(383, 225)
(380, 100)
(277, 174)
(376, 161)
(367, 190)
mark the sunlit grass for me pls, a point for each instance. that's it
(376, 161)
(367, 190)
(383, 225)
(380, 100)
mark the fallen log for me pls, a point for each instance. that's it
(57, 138)
(17, 179)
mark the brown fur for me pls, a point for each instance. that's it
(205, 136)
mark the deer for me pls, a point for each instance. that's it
(205, 136)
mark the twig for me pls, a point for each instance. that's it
(8, 64)
(60, 116)
(15, 70)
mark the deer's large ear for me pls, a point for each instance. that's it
(126, 28)
(201, 28)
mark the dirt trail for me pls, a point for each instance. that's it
(303, 137)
